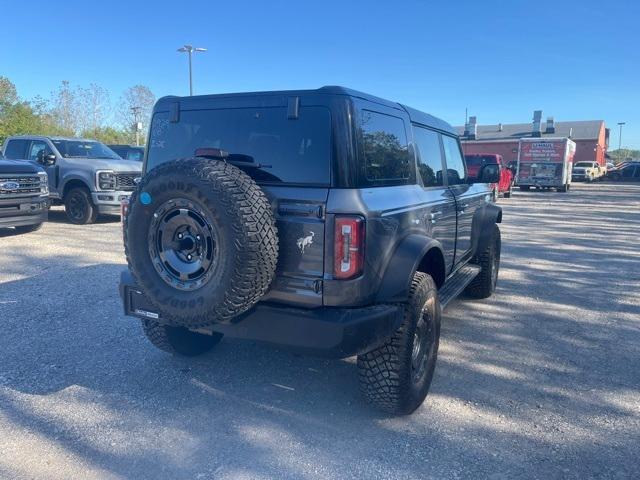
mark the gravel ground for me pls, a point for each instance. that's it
(540, 381)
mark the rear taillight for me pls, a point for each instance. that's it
(349, 247)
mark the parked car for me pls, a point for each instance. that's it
(304, 218)
(85, 175)
(505, 186)
(24, 195)
(587, 172)
(628, 173)
(129, 152)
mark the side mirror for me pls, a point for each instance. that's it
(49, 159)
(489, 173)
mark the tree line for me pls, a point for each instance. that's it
(85, 111)
(623, 154)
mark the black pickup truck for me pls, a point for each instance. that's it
(24, 195)
(328, 220)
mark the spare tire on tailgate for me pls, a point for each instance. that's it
(201, 241)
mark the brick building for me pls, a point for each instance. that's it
(591, 137)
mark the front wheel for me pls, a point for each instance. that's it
(396, 376)
(79, 207)
(179, 340)
(508, 193)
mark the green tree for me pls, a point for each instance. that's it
(108, 135)
(135, 105)
(623, 154)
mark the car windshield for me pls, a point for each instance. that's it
(584, 164)
(84, 149)
(129, 153)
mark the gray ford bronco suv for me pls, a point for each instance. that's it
(85, 175)
(327, 220)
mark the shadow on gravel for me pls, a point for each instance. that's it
(536, 363)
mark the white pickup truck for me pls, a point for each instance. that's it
(587, 171)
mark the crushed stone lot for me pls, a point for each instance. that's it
(540, 381)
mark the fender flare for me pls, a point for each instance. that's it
(483, 221)
(404, 262)
(70, 178)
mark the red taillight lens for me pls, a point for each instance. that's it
(349, 247)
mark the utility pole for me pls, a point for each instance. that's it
(137, 126)
(620, 124)
(189, 49)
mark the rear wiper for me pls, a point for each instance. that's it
(237, 159)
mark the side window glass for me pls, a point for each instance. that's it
(628, 172)
(38, 150)
(455, 164)
(16, 149)
(385, 148)
(429, 156)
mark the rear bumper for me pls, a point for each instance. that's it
(554, 182)
(327, 331)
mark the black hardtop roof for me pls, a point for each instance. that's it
(415, 115)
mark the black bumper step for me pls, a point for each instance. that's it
(457, 283)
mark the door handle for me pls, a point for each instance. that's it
(463, 207)
(435, 215)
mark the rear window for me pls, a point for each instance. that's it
(477, 160)
(283, 150)
(386, 156)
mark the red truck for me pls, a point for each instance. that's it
(505, 185)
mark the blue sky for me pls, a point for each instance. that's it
(575, 60)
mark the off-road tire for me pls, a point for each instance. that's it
(489, 261)
(387, 376)
(28, 228)
(235, 206)
(179, 340)
(88, 212)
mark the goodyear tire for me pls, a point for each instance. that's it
(485, 282)
(396, 376)
(179, 340)
(201, 241)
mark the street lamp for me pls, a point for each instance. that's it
(190, 49)
(620, 124)
(137, 126)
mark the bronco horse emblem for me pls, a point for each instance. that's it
(304, 242)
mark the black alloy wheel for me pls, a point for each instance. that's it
(183, 244)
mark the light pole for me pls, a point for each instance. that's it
(620, 124)
(190, 49)
(136, 123)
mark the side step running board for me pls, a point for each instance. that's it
(457, 283)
